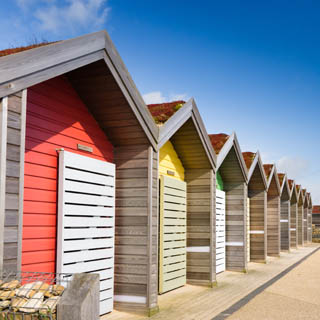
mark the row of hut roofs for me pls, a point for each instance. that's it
(93, 180)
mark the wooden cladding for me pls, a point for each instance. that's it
(201, 261)
(273, 225)
(258, 236)
(13, 112)
(285, 218)
(293, 225)
(300, 225)
(172, 234)
(236, 206)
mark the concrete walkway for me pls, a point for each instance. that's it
(201, 303)
(294, 296)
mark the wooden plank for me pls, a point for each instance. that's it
(172, 254)
(3, 156)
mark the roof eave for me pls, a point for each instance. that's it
(188, 111)
(27, 68)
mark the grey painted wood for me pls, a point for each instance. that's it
(21, 172)
(3, 157)
(22, 70)
(15, 145)
(185, 118)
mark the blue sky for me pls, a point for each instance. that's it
(252, 66)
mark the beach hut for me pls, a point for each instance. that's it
(187, 197)
(285, 215)
(273, 210)
(293, 214)
(309, 217)
(231, 180)
(78, 169)
(257, 194)
(300, 224)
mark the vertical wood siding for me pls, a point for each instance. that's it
(169, 160)
(285, 219)
(56, 118)
(300, 225)
(136, 275)
(293, 225)
(236, 213)
(273, 225)
(305, 223)
(15, 134)
(200, 225)
(236, 191)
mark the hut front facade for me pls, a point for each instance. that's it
(187, 197)
(300, 224)
(273, 210)
(285, 214)
(257, 186)
(79, 170)
(232, 189)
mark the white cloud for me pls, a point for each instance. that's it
(75, 15)
(295, 167)
(154, 97)
(158, 97)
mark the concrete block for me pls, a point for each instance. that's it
(80, 301)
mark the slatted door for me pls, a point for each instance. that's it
(220, 231)
(172, 234)
(248, 229)
(86, 207)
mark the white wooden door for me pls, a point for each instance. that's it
(172, 234)
(220, 231)
(86, 208)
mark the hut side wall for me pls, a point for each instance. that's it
(293, 225)
(310, 224)
(285, 225)
(201, 225)
(273, 225)
(12, 158)
(236, 204)
(305, 224)
(258, 227)
(300, 225)
(136, 271)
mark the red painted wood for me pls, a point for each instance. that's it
(56, 118)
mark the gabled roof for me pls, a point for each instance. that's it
(270, 173)
(253, 160)
(161, 112)
(316, 209)
(222, 144)
(299, 194)
(29, 67)
(293, 191)
(309, 200)
(186, 114)
(284, 184)
(305, 198)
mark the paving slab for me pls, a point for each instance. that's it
(294, 296)
(202, 303)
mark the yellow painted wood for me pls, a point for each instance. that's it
(169, 160)
(172, 234)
